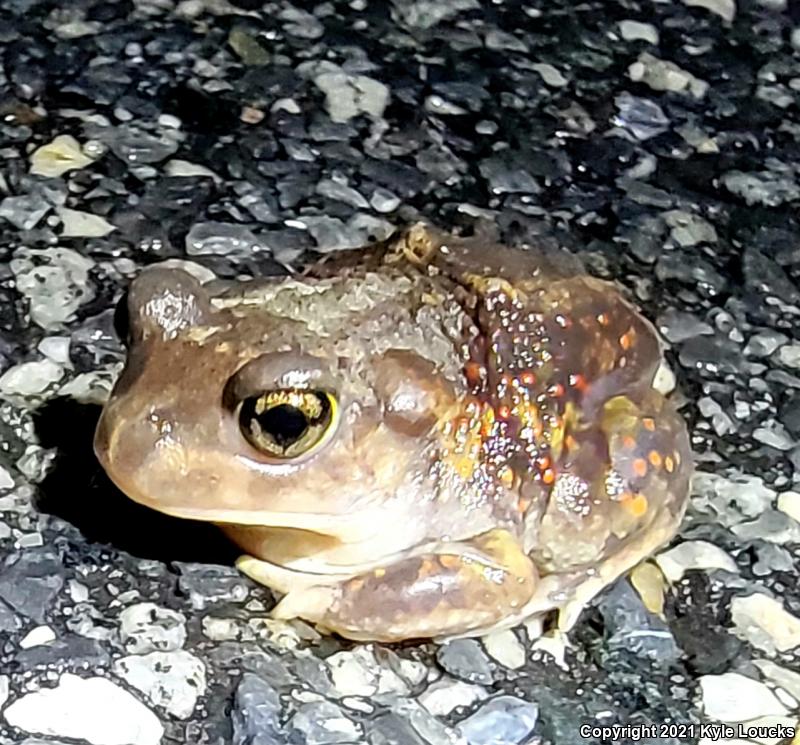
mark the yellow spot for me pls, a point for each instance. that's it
(355, 585)
(548, 476)
(506, 475)
(379, 573)
(649, 424)
(637, 506)
(655, 458)
(669, 464)
(640, 467)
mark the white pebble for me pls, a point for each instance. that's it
(92, 709)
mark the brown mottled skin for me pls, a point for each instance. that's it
(487, 444)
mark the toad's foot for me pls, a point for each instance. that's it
(466, 588)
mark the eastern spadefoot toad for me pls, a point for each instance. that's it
(430, 437)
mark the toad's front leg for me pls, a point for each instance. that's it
(463, 588)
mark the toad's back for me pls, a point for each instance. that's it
(475, 435)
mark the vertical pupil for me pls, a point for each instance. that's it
(286, 424)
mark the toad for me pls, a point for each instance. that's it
(430, 437)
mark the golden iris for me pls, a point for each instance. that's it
(288, 422)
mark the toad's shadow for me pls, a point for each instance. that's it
(77, 490)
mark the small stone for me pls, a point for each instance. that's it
(731, 499)
(780, 676)
(25, 211)
(505, 647)
(638, 31)
(30, 378)
(324, 723)
(222, 239)
(147, 627)
(775, 436)
(77, 224)
(732, 697)
(691, 555)
(764, 343)
(30, 581)
(765, 623)
(648, 581)
(445, 695)
(383, 200)
(641, 117)
(771, 525)
(662, 75)
(172, 680)
(725, 9)
(301, 23)
(93, 709)
(502, 40)
(761, 187)
(789, 503)
(426, 14)
(135, 146)
(206, 584)
(664, 381)
(187, 169)
(504, 720)
(37, 636)
(6, 480)
(341, 193)
(550, 74)
(358, 673)
(348, 96)
(59, 156)
(678, 326)
(247, 47)
(634, 629)
(464, 659)
(789, 355)
(688, 229)
(256, 713)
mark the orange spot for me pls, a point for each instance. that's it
(556, 390)
(649, 424)
(571, 442)
(603, 319)
(629, 442)
(640, 467)
(448, 561)
(655, 458)
(543, 461)
(474, 372)
(549, 476)
(503, 411)
(578, 381)
(637, 506)
(523, 503)
(528, 378)
(669, 464)
(626, 340)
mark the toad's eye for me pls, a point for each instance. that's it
(288, 422)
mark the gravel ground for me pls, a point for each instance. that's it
(659, 140)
